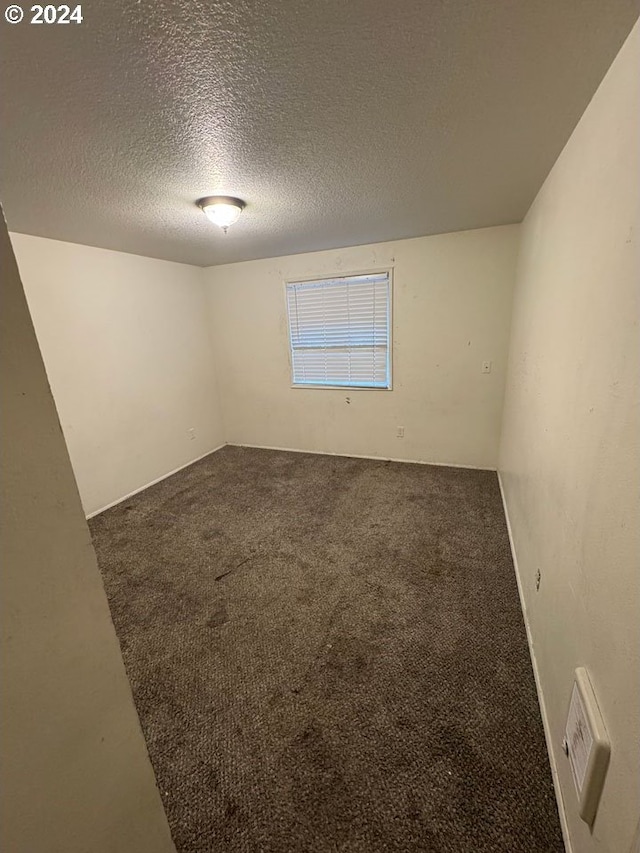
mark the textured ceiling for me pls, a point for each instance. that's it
(338, 121)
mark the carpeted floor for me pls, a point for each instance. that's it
(328, 654)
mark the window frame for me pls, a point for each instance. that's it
(389, 270)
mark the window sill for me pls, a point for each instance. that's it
(345, 388)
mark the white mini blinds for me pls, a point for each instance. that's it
(339, 331)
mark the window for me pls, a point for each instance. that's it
(339, 331)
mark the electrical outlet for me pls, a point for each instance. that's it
(400, 432)
(486, 367)
(192, 434)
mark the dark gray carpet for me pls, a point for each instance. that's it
(328, 654)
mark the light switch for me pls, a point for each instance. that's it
(486, 367)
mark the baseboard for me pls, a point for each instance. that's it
(286, 449)
(153, 482)
(359, 456)
(534, 664)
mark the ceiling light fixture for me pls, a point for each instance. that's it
(222, 210)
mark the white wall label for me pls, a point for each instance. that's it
(587, 745)
(579, 739)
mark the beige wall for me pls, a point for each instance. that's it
(76, 775)
(126, 345)
(451, 304)
(570, 445)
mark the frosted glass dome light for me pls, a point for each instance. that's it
(222, 210)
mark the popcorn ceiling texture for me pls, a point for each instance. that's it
(328, 654)
(339, 123)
